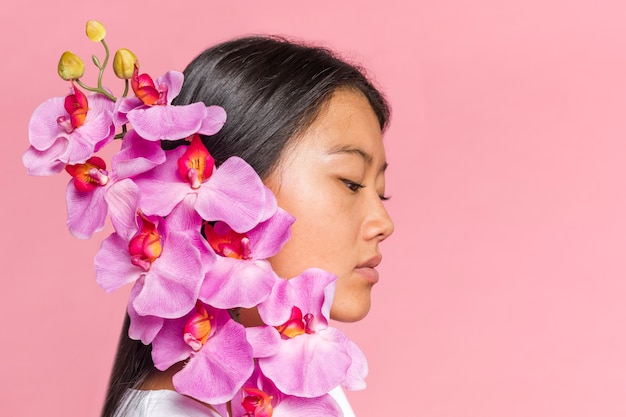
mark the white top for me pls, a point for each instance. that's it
(166, 403)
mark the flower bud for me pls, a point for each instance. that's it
(124, 63)
(95, 30)
(70, 67)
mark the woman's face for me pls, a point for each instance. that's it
(332, 179)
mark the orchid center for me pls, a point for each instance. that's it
(198, 328)
(196, 165)
(296, 325)
(145, 247)
(226, 242)
(256, 403)
(76, 105)
(145, 90)
(89, 175)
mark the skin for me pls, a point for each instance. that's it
(332, 179)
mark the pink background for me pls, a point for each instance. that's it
(503, 289)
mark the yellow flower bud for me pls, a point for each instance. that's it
(71, 67)
(95, 30)
(124, 63)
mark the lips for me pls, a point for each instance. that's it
(367, 269)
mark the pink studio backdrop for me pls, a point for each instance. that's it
(503, 290)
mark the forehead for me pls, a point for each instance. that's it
(347, 123)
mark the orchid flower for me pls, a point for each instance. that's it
(170, 260)
(154, 118)
(219, 356)
(85, 195)
(259, 397)
(232, 193)
(68, 130)
(311, 358)
(86, 206)
(242, 277)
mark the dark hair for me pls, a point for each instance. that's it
(272, 90)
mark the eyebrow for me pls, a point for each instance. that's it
(348, 149)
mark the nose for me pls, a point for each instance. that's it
(378, 224)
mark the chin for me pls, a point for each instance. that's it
(351, 309)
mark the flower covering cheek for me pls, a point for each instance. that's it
(242, 276)
(312, 358)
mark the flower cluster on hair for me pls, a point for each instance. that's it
(193, 239)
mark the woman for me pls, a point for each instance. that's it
(310, 125)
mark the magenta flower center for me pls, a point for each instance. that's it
(296, 325)
(256, 403)
(197, 329)
(226, 242)
(89, 175)
(196, 164)
(145, 247)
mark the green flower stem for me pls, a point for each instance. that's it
(126, 85)
(96, 90)
(104, 64)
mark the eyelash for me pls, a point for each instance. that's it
(355, 186)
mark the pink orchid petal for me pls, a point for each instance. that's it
(237, 283)
(173, 281)
(174, 81)
(224, 363)
(234, 194)
(310, 291)
(214, 119)
(265, 340)
(162, 188)
(86, 211)
(268, 237)
(123, 105)
(168, 346)
(167, 122)
(136, 156)
(123, 200)
(144, 328)
(44, 163)
(323, 406)
(113, 266)
(355, 379)
(43, 128)
(307, 366)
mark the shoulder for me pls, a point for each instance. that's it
(162, 403)
(340, 396)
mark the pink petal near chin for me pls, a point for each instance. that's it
(167, 122)
(323, 406)
(307, 366)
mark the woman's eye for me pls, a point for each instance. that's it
(353, 186)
